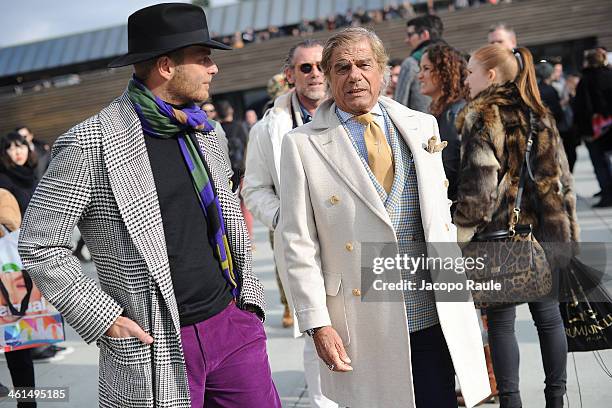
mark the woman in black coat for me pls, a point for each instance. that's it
(17, 168)
(594, 96)
(17, 164)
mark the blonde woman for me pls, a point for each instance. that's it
(495, 126)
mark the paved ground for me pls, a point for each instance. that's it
(79, 371)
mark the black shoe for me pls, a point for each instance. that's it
(606, 201)
(4, 391)
(59, 350)
(554, 402)
(43, 353)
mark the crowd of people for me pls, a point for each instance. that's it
(478, 103)
(351, 18)
(352, 149)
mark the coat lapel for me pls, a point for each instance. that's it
(334, 145)
(408, 125)
(278, 128)
(131, 180)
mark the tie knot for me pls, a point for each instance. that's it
(364, 119)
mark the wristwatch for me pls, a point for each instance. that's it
(311, 332)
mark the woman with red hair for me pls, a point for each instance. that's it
(442, 74)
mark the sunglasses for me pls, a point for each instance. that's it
(209, 110)
(307, 67)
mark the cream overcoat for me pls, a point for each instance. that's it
(329, 207)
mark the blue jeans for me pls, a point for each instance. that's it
(506, 357)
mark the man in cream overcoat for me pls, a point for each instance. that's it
(261, 185)
(369, 170)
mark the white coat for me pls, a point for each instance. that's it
(329, 208)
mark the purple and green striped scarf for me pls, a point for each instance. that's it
(162, 120)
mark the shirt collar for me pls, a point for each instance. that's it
(345, 116)
(306, 116)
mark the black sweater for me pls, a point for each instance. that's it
(200, 289)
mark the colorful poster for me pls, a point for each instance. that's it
(41, 324)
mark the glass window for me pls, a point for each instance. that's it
(5, 57)
(84, 48)
(277, 13)
(230, 25)
(15, 61)
(262, 14)
(42, 55)
(309, 10)
(97, 44)
(294, 12)
(247, 12)
(28, 57)
(358, 4)
(122, 47)
(374, 4)
(71, 46)
(326, 8)
(56, 52)
(215, 20)
(111, 44)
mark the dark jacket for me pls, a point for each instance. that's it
(408, 89)
(21, 182)
(237, 139)
(43, 157)
(494, 128)
(593, 95)
(551, 100)
(452, 152)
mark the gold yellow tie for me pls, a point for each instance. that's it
(380, 156)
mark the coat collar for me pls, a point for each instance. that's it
(131, 180)
(331, 140)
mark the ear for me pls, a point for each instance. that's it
(492, 75)
(289, 74)
(425, 35)
(165, 67)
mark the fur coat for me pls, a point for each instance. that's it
(494, 128)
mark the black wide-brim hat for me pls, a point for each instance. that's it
(162, 28)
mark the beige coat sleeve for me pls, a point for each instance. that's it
(258, 189)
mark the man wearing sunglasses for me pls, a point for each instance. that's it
(420, 33)
(261, 185)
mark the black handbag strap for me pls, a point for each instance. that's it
(525, 168)
(519, 229)
(25, 302)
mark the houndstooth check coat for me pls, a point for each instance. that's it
(100, 180)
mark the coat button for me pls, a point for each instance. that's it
(356, 292)
(446, 183)
(349, 246)
(334, 199)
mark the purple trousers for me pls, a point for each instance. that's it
(227, 363)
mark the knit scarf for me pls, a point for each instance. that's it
(417, 54)
(162, 120)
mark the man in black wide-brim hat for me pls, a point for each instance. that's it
(178, 313)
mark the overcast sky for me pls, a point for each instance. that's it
(23, 21)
